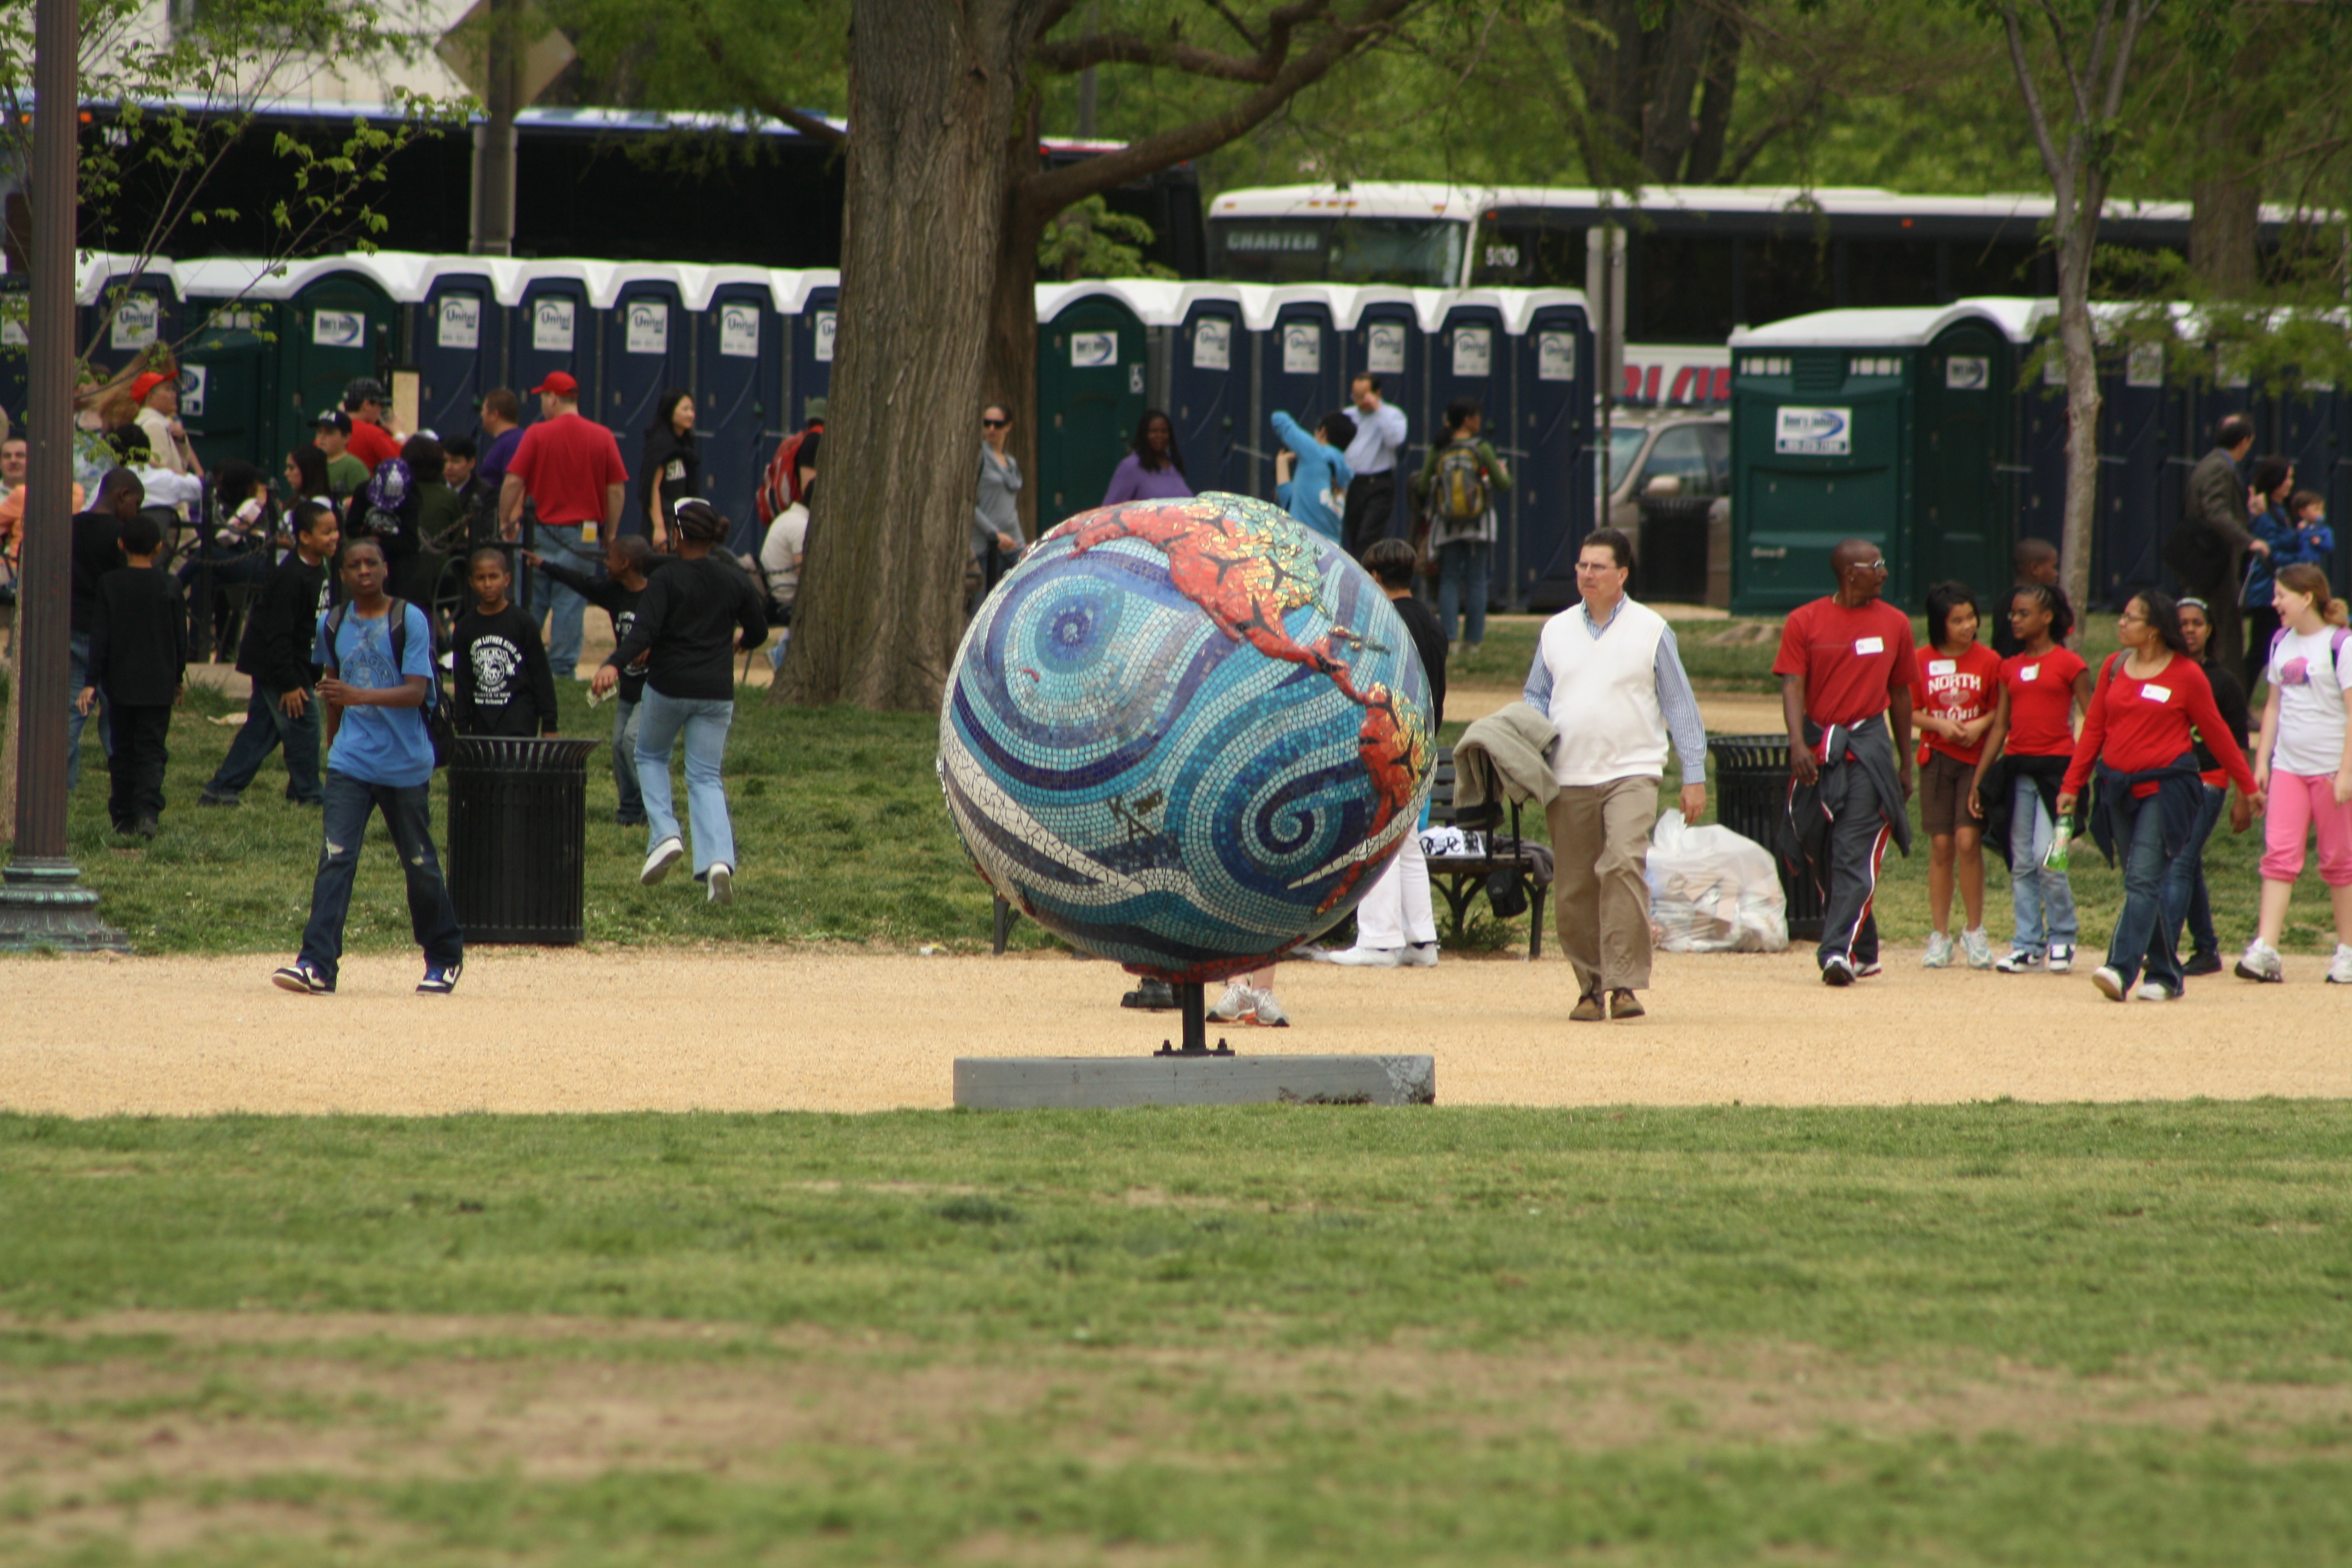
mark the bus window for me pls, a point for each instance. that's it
(1998, 267)
(1681, 289)
(1785, 277)
(1891, 272)
(1528, 248)
(1269, 250)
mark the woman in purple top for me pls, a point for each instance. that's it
(1154, 470)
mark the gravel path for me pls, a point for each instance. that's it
(533, 1030)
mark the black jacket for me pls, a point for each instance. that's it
(97, 551)
(284, 628)
(504, 685)
(1429, 641)
(139, 638)
(668, 468)
(1805, 828)
(619, 602)
(686, 625)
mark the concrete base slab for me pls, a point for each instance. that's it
(1035, 1083)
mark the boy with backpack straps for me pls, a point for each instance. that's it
(1456, 490)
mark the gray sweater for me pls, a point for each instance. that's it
(996, 511)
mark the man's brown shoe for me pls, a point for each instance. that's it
(1622, 1005)
(1589, 1010)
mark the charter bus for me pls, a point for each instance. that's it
(1699, 260)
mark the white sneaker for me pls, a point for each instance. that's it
(2154, 991)
(2062, 957)
(1424, 955)
(2110, 981)
(1238, 1005)
(2340, 972)
(2020, 961)
(1370, 957)
(722, 883)
(1977, 948)
(1939, 951)
(2261, 962)
(1269, 1014)
(665, 854)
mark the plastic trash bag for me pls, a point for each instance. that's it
(1713, 890)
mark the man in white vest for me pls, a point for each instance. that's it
(1608, 674)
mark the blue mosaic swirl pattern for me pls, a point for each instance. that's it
(1131, 766)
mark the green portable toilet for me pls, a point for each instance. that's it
(1091, 376)
(228, 384)
(1895, 425)
(337, 327)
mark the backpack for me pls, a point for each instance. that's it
(386, 508)
(438, 729)
(780, 487)
(2335, 646)
(1460, 484)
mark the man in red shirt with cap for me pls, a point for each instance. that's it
(1846, 665)
(373, 442)
(158, 397)
(572, 468)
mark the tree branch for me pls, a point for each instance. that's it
(1252, 39)
(2036, 115)
(1127, 49)
(756, 97)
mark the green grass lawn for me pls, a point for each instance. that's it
(1983, 1334)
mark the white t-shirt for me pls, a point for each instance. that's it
(2310, 683)
(780, 553)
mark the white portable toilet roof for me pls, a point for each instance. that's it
(1350, 304)
(793, 289)
(1520, 305)
(1895, 326)
(1156, 302)
(94, 270)
(697, 284)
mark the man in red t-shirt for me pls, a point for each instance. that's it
(1845, 664)
(572, 468)
(370, 441)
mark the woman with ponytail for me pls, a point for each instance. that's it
(2303, 756)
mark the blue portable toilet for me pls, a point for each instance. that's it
(2314, 426)
(738, 387)
(1381, 335)
(647, 342)
(2144, 462)
(1469, 357)
(1208, 386)
(551, 326)
(1552, 366)
(148, 310)
(1299, 368)
(810, 303)
(459, 344)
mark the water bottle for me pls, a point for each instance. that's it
(2060, 842)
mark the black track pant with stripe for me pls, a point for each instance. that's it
(1858, 845)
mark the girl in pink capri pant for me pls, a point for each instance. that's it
(2303, 758)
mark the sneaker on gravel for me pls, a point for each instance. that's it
(2340, 972)
(1237, 1005)
(2261, 962)
(1150, 995)
(2202, 963)
(2154, 991)
(722, 883)
(2062, 957)
(667, 853)
(1939, 951)
(1866, 970)
(1369, 957)
(2020, 961)
(1587, 1010)
(1977, 948)
(1623, 1003)
(300, 977)
(1836, 971)
(2110, 982)
(1269, 1014)
(1420, 955)
(439, 979)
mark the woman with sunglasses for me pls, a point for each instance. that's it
(2150, 704)
(996, 515)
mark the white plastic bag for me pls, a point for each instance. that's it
(1712, 890)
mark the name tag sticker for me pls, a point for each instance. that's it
(2029, 672)
(2157, 693)
(1869, 645)
(1942, 665)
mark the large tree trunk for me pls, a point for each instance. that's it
(2225, 207)
(1010, 377)
(2078, 338)
(935, 89)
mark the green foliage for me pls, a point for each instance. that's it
(1089, 240)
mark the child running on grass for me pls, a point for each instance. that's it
(504, 685)
(2303, 759)
(2017, 776)
(1952, 709)
(377, 652)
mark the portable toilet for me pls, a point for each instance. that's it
(229, 383)
(2314, 426)
(1469, 356)
(1895, 425)
(646, 346)
(1552, 372)
(810, 303)
(343, 325)
(1381, 335)
(2142, 472)
(1208, 386)
(145, 305)
(738, 388)
(1091, 364)
(1299, 367)
(458, 346)
(551, 326)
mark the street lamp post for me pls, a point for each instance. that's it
(42, 901)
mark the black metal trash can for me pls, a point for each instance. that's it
(1670, 561)
(1752, 792)
(519, 839)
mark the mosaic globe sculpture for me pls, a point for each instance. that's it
(1187, 735)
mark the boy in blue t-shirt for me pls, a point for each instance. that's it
(379, 757)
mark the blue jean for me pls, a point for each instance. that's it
(631, 802)
(704, 721)
(2042, 898)
(266, 728)
(2185, 897)
(562, 608)
(2142, 935)
(75, 718)
(1462, 572)
(408, 814)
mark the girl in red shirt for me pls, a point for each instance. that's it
(2024, 763)
(2138, 734)
(1952, 697)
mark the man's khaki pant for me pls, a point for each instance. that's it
(1600, 845)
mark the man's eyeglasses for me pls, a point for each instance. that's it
(1878, 565)
(995, 423)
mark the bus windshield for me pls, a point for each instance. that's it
(1412, 253)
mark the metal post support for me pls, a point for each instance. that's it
(42, 902)
(1194, 1007)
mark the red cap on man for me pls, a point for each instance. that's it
(143, 385)
(559, 382)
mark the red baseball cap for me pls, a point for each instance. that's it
(559, 382)
(142, 385)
